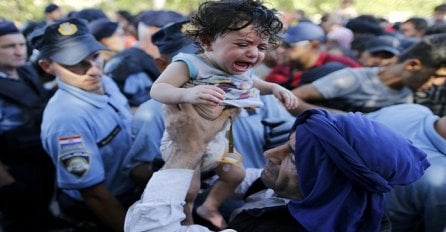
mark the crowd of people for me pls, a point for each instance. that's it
(232, 118)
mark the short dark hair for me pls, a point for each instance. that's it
(419, 23)
(215, 18)
(431, 50)
(441, 7)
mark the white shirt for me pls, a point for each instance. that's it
(161, 205)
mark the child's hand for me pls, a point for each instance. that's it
(285, 96)
(204, 94)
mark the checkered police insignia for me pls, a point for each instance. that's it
(76, 163)
(67, 29)
(70, 143)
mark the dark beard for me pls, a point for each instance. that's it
(297, 65)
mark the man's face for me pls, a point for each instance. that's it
(408, 29)
(425, 78)
(299, 55)
(280, 172)
(376, 59)
(86, 75)
(12, 51)
(116, 42)
(55, 15)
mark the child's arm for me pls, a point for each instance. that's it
(284, 95)
(167, 88)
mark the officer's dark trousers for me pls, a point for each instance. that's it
(24, 205)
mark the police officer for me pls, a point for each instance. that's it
(26, 172)
(85, 128)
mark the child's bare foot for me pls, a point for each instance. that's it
(212, 216)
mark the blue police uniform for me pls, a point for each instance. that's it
(148, 128)
(88, 136)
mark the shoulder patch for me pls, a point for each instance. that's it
(70, 143)
(77, 163)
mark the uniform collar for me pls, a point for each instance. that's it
(94, 99)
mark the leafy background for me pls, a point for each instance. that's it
(26, 10)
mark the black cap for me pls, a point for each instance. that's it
(364, 27)
(102, 28)
(90, 14)
(383, 43)
(50, 8)
(67, 42)
(171, 40)
(159, 18)
(7, 27)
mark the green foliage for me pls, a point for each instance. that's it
(33, 10)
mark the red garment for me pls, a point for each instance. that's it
(325, 57)
(280, 74)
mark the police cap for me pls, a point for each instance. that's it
(171, 40)
(67, 42)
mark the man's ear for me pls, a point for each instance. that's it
(46, 66)
(413, 65)
(161, 63)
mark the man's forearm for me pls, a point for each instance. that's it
(184, 157)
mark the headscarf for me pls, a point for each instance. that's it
(345, 163)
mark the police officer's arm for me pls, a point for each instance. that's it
(142, 173)
(5, 176)
(105, 206)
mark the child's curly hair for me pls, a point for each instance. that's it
(215, 18)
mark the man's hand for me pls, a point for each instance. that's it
(190, 133)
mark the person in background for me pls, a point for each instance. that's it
(381, 50)
(126, 20)
(438, 15)
(419, 206)
(414, 27)
(338, 37)
(89, 14)
(369, 89)
(53, 13)
(26, 172)
(85, 129)
(328, 175)
(110, 34)
(305, 55)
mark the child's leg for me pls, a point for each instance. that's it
(190, 197)
(230, 177)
